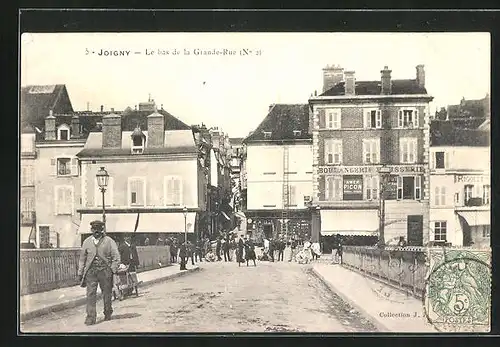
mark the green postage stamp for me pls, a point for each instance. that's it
(458, 290)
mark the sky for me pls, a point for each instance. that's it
(234, 91)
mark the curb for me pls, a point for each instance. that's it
(82, 301)
(380, 326)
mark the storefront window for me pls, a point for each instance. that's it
(440, 231)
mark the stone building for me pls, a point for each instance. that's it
(358, 127)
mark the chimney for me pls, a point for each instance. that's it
(331, 76)
(75, 127)
(156, 130)
(111, 131)
(350, 83)
(102, 108)
(420, 76)
(50, 127)
(386, 81)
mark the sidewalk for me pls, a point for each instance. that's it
(39, 304)
(387, 308)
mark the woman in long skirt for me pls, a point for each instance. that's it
(250, 251)
(239, 251)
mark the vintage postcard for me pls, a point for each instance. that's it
(255, 182)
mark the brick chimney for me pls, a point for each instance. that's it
(386, 81)
(156, 130)
(111, 131)
(420, 76)
(350, 83)
(331, 76)
(75, 127)
(50, 127)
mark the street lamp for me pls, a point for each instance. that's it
(102, 181)
(384, 171)
(185, 212)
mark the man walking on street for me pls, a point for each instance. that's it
(99, 259)
(199, 253)
(183, 255)
(218, 248)
(293, 247)
(281, 248)
(190, 250)
(226, 246)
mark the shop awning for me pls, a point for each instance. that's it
(349, 222)
(25, 234)
(225, 215)
(474, 218)
(166, 222)
(115, 222)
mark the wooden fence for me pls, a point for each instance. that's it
(399, 267)
(47, 269)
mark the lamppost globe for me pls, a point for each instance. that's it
(102, 181)
(102, 178)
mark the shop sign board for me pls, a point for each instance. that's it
(353, 187)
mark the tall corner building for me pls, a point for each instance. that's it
(358, 127)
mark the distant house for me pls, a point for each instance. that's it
(38, 100)
(469, 114)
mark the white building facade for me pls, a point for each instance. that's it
(460, 195)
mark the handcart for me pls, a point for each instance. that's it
(125, 283)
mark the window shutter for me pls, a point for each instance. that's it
(400, 119)
(74, 166)
(328, 150)
(379, 119)
(53, 165)
(341, 154)
(366, 119)
(418, 185)
(70, 201)
(446, 160)
(291, 197)
(321, 118)
(443, 195)
(411, 151)
(402, 150)
(415, 121)
(400, 187)
(436, 196)
(338, 189)
(433, 160)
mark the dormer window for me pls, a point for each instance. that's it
(297, 133)
(63, 132)
(138, 141)
(267, 134)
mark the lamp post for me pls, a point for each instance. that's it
(383, 172)
(102, 180)
(185, 212)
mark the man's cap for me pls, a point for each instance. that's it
(97, 223)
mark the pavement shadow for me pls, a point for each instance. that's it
(121, 316)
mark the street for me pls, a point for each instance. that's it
(272, 297)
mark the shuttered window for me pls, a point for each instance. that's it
(137, 191)
(27, 175)
(64, 201)
(408, 150)
(333, 189)
(371, 151)
(173, 191)
(372, 119)
(333, 151)
(64, 166)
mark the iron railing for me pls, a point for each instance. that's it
(47, 269)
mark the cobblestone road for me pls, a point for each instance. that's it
(272, 297)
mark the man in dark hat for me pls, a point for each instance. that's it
(99, 259)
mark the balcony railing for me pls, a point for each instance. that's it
(28, 218)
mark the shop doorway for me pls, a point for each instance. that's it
(268, 231)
